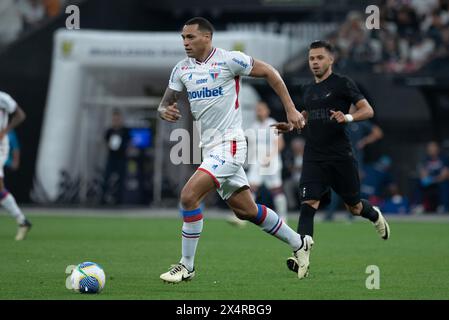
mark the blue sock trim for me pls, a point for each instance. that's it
(189, 213)
(259, 212)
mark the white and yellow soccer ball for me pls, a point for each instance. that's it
(88, 277)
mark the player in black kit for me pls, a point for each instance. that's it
(328, 157)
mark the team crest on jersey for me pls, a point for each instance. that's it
(214, 73)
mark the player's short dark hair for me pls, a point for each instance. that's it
(204, 25)
(321, 44)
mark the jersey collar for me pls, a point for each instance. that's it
(208, 57)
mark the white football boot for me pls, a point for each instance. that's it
(381, 225)
(177, 273)
(299, 263)
(23, 230)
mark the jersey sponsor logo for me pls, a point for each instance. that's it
(240, 62)
(205, 93)
(201, 81)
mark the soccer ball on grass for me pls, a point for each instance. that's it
(88, 277)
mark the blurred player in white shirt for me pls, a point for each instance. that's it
(264, 161)
(212, 79)
(8, 106)
(266, 169)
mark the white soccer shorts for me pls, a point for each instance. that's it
(224, 163)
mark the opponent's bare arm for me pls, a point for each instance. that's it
(17, 117)
(264, 70)
(168, 109)
(364, 111)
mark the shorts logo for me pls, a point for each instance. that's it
(217, 158)
(304, 191)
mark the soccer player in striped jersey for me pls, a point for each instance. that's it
(8, 106)
(212, 79)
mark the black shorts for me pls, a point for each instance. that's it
(319, 176)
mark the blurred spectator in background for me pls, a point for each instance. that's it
(17, 16)
(32, 11)
(293, 162)
(412, 34)
(10, 22)
(395, 202)
(117, 138)
(434, 180)
(53, 7)
(376, 180)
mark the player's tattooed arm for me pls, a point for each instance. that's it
(168, 109)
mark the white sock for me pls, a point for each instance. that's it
(191, 231)
(271, 223)
(9, 203)
(280, 203)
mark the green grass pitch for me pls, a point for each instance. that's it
(231, 263)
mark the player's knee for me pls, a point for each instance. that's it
(355, 209)
(313, 203)
(189, 200)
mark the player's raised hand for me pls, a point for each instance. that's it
(296, 119)
(170, 113)
(338, 115)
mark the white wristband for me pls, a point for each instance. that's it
(349, 118)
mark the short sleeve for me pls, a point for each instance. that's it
(239, 63)
(352, 92)
(7, 102)
(175, 82)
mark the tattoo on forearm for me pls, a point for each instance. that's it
(170, 97)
